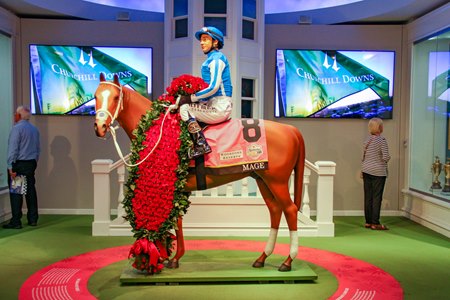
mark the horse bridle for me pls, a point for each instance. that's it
(102, 113)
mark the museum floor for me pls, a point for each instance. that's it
(418, 258)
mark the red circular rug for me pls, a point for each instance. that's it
(68, 278)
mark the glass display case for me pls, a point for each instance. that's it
(430, 111)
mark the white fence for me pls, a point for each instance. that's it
(235, 209)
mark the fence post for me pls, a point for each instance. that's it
(120, 181)
(325, 185)
(102, 198)
(305, 208)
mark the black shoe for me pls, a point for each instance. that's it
(11, 226)
(32, 224)
(207, 148)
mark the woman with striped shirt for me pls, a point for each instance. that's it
(374, 170)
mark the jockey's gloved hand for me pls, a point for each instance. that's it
(185, 99)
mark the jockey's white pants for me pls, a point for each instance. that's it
(216, 110)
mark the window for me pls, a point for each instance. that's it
(215, 14)
(180, 8)
(181, 29)
(247, 97)
(429, 171)
(248, 19)
(215, 6)
(180, 13)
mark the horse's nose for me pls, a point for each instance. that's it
(100, 131)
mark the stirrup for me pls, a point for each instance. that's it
(206, 149)
(197, 152)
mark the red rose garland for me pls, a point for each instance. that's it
(155, 185)
(155, 198)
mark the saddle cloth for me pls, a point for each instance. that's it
(238, 146)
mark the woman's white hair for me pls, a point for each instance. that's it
(374, 125)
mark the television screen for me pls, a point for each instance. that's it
(334, 84)
(63, 79)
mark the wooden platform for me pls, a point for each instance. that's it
(221, 267)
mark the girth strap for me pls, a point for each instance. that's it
(200, 173)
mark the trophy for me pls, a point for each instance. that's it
(436, 169)
(446, 188)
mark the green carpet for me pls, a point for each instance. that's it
(416, 256)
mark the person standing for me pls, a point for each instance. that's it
(23, 155)
(374, 173)
(213, 104)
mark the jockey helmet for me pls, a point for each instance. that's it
(213, 32)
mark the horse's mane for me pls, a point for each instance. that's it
(133, 95)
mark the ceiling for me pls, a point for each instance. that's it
(291, 12)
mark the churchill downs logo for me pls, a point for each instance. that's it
(85, 64)
(337, 79)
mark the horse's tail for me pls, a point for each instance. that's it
(299, 170)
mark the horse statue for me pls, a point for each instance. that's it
(286, 153)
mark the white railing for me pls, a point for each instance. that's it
(235, 209)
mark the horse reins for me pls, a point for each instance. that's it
(113, 119)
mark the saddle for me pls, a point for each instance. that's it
(238, 146)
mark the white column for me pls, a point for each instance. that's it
(120, 181)
(102, 197)
(325, 185)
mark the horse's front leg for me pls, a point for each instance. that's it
(179, 251)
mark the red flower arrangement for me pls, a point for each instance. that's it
(155, 196)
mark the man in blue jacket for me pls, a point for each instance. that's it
(23, 155)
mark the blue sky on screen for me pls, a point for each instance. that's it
(134, 58)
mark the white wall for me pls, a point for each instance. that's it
(341, 140)
(69, 144)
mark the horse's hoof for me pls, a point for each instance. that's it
(258, 264)
(284, 268)
(173, 264)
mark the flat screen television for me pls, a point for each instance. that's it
(334, 83)
(63, 79)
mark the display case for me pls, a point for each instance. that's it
(430, 110)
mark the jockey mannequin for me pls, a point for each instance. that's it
(213, 104)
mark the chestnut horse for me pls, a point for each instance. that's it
(286, 153)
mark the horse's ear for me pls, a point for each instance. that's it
(116, 79)
(102, 77)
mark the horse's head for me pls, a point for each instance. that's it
(108, 103)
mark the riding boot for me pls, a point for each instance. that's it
(200, 145)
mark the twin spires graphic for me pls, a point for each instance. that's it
(327, 65)
(91, 59)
